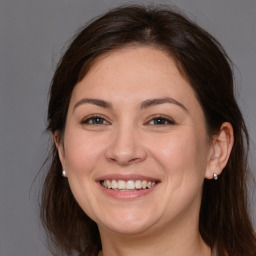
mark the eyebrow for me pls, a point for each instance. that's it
(153, 102)
(97, 102)
(144, 105)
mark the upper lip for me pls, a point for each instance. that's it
(127, 177)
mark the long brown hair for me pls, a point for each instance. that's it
(224, 220)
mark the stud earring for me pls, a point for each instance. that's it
(64, 173)
(215, 176)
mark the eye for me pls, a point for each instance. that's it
(160, 120)
(95, 120)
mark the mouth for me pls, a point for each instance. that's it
(128, 185)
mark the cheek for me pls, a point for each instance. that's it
(182, 153)
(82, 152)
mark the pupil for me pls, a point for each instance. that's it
(98, 120)
(159, 121)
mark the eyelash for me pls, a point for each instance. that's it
(167, 121)
(91, 120)
(96, 118)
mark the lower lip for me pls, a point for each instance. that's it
(132, 194)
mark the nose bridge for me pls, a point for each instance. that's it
(125, 145)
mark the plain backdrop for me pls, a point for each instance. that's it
(33, 34)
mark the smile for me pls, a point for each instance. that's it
(128, 185)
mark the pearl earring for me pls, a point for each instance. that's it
(64, 173)
(215, 176)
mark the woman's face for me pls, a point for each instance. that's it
(135, 146)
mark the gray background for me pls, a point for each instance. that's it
(32, 36)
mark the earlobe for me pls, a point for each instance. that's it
(60, 147)
(221, 148)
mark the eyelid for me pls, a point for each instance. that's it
(94, 116)
(168, 119)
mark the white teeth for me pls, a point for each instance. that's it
(127, 185)
(108, 183)
(138, 184)
(130, 184)
(114, 184)
(144, 184)
(121, 184)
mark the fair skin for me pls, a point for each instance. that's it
(134, 118)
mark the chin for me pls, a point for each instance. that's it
(128, 224)
(128, 229)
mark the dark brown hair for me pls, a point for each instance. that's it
(224, 219)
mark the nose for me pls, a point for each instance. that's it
(126, 147)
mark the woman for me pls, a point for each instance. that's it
(148, 154)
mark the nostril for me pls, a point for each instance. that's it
(125, 151)
(126, 159)
(123, 161)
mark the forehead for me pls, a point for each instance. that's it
(140, 67)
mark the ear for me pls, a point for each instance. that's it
(60, 147)
(221, 147)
